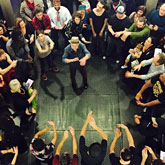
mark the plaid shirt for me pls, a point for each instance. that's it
(38, 25)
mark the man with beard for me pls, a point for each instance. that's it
(59, 16)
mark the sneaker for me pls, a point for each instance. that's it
(44, 77)
(117, 61)
(55, 69)
(104, 58)
(124, 66)
(85, 86)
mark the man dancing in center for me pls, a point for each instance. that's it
(76, 55)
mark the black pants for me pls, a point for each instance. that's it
(55, 36)
(98, 45)
(83, 72)
(45, 60)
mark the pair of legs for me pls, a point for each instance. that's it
(83, 72)
(55, 37)
(47, 60)
(118, 46)
(98, 45)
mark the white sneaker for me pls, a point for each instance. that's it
(124, 66)
(117, 61)
(104, 58)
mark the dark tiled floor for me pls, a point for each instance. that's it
(107, 96)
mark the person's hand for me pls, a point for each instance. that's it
(27, 111)
(34, 111)
(57, 28)
(138, 67)
(151, 26)
(47, 31)
(51, 123)
(149, 149)
(14, 63)
(128, 74)
(29, 19)
(34, 92)
(154, 125)
(144, 153)
(94, 35)
(75, 59)
(84, 26)
(138, 96)
(85, 41)
(47, 128)
(138, 102)
(101, 34)
(47, 47)
(117, 133)
(72, 131)
(92, 122)
(82, 62)
(124, 36)
(122, 126)
(155, 28)
(31, 39)
(51, 46)
(66, 134)
(89, 116)
(15, 150)
(117, 34)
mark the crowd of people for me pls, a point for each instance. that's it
(116, 31)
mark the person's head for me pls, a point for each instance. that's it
(65, 158)
(2, 54)
(125, 154)
(95, 150)
(40, 35)
(19, 23)
(149, 41)
(115, 2)
(82, 9)
(30, 1)
(76, 18)
(14, 85)
(162, 10)
(74, 42)
(159, 59)
(141, 22)
(38, 145)
(100, 5)
(17, 35)
(38, 12)
(57, 4)
(120, 12)
(141, 10)
(138, 47)
(2, 29)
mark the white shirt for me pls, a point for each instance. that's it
(64, 14)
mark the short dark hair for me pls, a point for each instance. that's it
(38, 144)
(39, 31)
(102, 2)
(3, 27)
(126, 155)
(38, 10)
(142, 19)
(143, 8)
(16, 33)
(65, 159)
(161, 60)
(95, 150)
(76, 14)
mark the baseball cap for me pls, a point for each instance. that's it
(120, 9)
